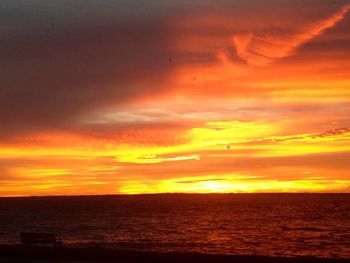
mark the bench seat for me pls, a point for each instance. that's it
(28, 239)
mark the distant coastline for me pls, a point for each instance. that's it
(183, 194)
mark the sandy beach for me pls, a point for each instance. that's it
(19, 254)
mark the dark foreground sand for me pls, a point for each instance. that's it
(18, 254)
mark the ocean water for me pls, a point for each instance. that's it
(250, 224)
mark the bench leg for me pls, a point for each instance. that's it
(59, 244)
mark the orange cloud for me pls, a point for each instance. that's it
(261, 49)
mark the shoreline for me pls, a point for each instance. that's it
(67, 254)
(174, 194)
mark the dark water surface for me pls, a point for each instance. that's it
(259, 224)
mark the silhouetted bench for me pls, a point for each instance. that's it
(28, 239)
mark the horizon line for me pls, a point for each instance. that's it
(179, 193)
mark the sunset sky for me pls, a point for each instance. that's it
(150, 96)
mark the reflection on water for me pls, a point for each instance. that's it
(261, 224)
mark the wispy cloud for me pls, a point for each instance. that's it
(334, 134)
(262, 48)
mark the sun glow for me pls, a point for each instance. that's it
(229, 185)
(132, 169)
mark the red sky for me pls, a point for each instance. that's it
(108, 97)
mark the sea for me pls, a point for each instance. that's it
(315, 225)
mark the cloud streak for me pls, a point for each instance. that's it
(261, 49)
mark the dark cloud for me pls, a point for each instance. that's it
(50, 76)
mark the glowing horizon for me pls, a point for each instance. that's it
(148, 101)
